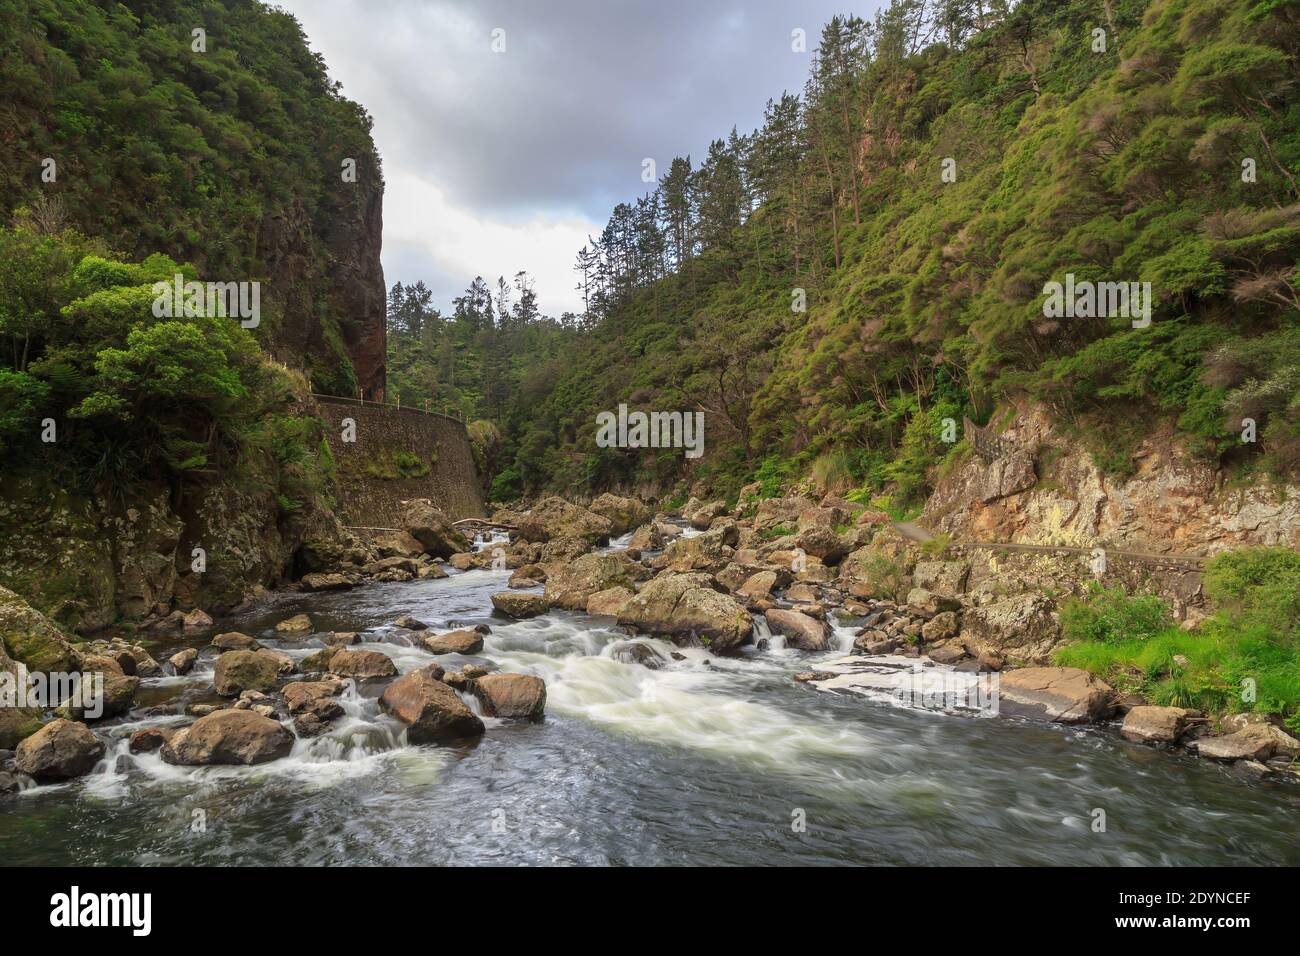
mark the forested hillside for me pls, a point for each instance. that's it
(943, 163)
(223, 149)
(133, 150)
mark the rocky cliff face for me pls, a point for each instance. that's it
(1049, 491)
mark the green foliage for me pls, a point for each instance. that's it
(924, 297)
(228, 159)
(1248, 642)
(1258, 584)
(1109, 616)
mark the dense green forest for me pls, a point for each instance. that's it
(165, 156)
(223, 150)
(873, 259)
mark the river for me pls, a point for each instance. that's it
(705, 761)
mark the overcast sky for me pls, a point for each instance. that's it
(496, 162)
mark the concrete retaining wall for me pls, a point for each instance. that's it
(375, 475)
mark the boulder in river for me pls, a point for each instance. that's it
(554, 518)
(519, 605)
(465, 641)
(430, 709)
(680, 604)
(623, 514)
(1149, 725)
(433, 529)
(521, 696)
(570, 584)
(148, 739)
(410, 623)
(235, 641)
(609, 601)
(361, 664)
(235, 737)
(183, 661)
(1066, 695)
(238, 671)
(313, 704)
(60, 750)
(800, 630)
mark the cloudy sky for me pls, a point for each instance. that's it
(496, 162)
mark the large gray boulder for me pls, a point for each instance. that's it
(1020, 627)
(677, 604)
(554, 518)
(433, 529)
(623, 514)
(570, 584)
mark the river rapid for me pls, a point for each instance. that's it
(705, 761)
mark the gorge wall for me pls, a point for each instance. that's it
(398, 454)
(1049, 491)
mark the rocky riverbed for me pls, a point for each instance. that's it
(545, 696)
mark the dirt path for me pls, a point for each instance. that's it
(914, 532)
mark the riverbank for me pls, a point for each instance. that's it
(645, 742)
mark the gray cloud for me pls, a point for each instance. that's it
(559, 123)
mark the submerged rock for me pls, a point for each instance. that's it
(637, 652)
(298, 624)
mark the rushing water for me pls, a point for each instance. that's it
(705, 761)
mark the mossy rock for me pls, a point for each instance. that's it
(31, 639)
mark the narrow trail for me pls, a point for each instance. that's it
(914, 532)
